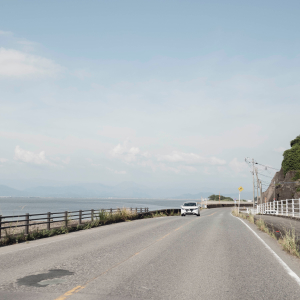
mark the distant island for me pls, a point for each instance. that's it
(219, 197)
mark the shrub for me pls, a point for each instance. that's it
(295, 141)
(291, 160)
(289, 243)
(297, 176)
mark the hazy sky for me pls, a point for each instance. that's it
(162, 93)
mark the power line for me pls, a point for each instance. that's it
(265, 182)
(266, 166)
(265, 175)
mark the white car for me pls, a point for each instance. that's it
(190, 208)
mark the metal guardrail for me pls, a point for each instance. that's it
(288, 207)
(49, 218)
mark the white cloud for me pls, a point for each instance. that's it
(125, 153)
(190, 158)
(166, 168)
(238, 167)
(31, 157)
(189, 169)
(176, 162)
(27, 45)
(59, 160)
(120, 133)
(5, 32)
(117, 172)
(18, 64)
(3, 160)
(66, 161)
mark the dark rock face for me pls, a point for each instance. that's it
(286, 183)
(285, 187)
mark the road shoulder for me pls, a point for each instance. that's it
(292, 262)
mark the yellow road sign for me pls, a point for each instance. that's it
(240, 189)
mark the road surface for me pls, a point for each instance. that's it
(215, 256)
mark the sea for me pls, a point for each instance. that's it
(14, 206)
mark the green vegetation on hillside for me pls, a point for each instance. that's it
(291, 159)
(216, 198)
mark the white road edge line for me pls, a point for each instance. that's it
(283, 264)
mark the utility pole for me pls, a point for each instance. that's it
(261, 197)
(257, 185)
(253, 184)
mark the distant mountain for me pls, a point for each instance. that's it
(244, 195)
(193, 196)
(123, 190)
(61, 191)
(8, 191)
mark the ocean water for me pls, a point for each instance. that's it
(13, 206)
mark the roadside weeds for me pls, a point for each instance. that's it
(287, 239)
(103, 218)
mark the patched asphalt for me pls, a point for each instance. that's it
(214, 256)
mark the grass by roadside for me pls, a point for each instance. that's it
(103, 218)
(287, 239)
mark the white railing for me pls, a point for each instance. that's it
(252, 211)
(288, 207)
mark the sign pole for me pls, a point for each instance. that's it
(240, 189)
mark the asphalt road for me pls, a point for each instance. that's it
(215, 256)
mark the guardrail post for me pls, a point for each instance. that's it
(0, 225)
(287, 207)
(92, 215)
(281, 207)
(293, 208)
(27, 223)
(80, 216)
(48, 220)
(66, 219)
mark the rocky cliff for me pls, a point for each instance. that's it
(287, 181)
(285, 187)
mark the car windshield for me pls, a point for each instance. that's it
(190, 204)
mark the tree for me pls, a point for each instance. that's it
(291, 160)
(214, 197)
